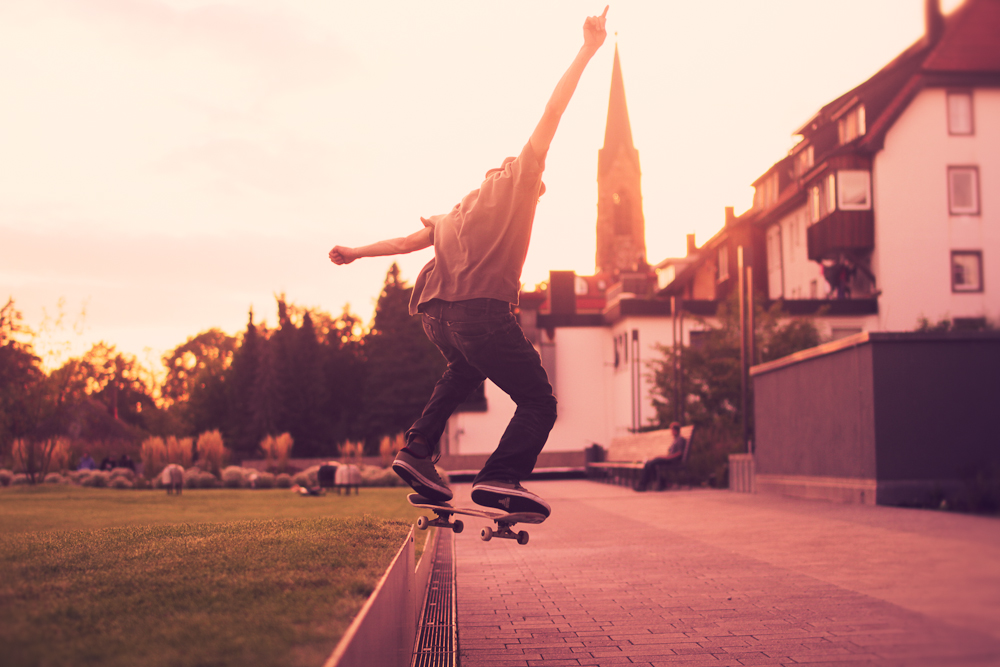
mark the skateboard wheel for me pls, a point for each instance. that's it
(458, 526)
(522, 537)
(486, 534)
(422, 523)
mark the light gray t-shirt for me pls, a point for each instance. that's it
(480, 245)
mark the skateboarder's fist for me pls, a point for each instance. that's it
(342, 255)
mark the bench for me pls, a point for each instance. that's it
(627, 456)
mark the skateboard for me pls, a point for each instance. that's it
(503, 520)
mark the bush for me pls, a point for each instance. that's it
(234, 477)
(192, 478)
(308, 477)
(283, 481)
(264, 480)
(277, 450)
(19, 479)
(127, 473)
(54, 478)
(375, 476)
(153, 456)
(207, 480)
(76, 476)
(180, 451)
(211, 451)
(98, 479)
(120, 482)
(5, 477)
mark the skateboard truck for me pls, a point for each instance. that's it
(503, 530)
(423, 523)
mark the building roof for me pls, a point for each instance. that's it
(971, 40)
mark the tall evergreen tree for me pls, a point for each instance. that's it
(240, 433)
(344, 372)
(402, 365)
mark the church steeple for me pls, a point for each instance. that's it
(621, 227)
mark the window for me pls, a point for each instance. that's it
(804, 161)
(963, 190)
(854, 190)
(822, 198)
(723, 263)
(966, 271)
(766, 193)
(852, 124)
(960, 112)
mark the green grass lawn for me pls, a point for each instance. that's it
(212, 577)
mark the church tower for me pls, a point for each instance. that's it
(621, 228)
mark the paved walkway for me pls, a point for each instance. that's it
(716, 578)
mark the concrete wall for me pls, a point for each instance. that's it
(817, 417)
(897, 415)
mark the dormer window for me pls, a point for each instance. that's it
(766, 193)
(852, 124)
(804, 161)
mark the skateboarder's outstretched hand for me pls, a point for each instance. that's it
(593, 30)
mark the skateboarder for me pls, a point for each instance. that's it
(465, 295)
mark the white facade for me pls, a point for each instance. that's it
(596, 398)
(915, 233)
(791, 274)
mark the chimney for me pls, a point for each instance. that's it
(933, 20)
(692, 246)
(730, 215)
(562, 292)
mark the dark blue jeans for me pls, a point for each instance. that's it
(481, 339)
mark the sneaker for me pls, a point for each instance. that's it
(509, 497)
(422, 476)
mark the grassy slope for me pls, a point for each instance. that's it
(233, 585)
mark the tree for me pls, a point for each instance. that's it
(710, 376)
(21, 378)
(344, 371)
(240, 430)
(402, 365)
(195, 383)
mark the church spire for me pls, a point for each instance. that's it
(621, 227)
(618, 129)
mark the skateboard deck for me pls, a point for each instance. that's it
(503, 520)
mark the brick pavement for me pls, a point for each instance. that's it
(715, 578)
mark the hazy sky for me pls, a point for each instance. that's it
(169, 163)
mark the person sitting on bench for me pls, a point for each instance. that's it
(674, 455)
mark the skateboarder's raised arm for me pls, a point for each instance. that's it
(593, 37)
(416, 241)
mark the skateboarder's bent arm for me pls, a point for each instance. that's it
(406, 244)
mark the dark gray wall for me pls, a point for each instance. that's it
(816, 417)
(895, 406)
(937, 404)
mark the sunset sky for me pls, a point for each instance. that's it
(167, 164)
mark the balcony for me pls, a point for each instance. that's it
(841, 231)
